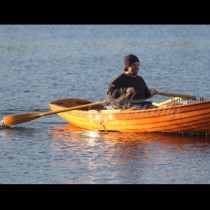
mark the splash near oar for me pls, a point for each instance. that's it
(2, 124)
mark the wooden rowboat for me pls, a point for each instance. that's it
(182, 116)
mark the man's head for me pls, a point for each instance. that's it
(132, 64)
(130, 59)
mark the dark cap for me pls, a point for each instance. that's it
(130, 59)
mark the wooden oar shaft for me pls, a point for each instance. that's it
(177, 95)
(25, 117)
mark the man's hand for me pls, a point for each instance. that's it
(153, 91)
(130, 90)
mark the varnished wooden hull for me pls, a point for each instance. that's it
(193, 117)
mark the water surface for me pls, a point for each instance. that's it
(42, 63)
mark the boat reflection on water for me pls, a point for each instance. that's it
(119, 157)
(69, 132)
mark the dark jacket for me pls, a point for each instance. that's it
(118, 87)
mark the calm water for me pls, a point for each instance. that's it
(42, 63)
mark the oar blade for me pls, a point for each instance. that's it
(20, 118)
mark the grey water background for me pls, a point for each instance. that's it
(42, 63)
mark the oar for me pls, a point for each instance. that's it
(25, 117)
(176, 95)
